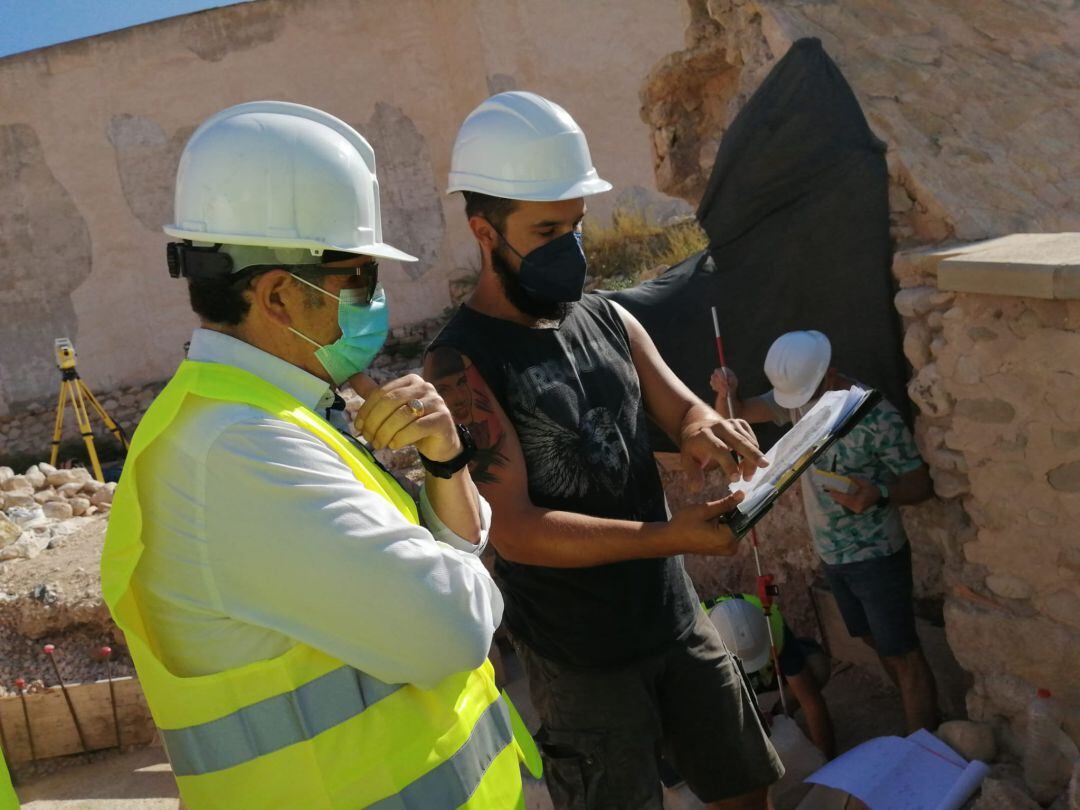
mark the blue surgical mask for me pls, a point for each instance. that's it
(364, 327)
(555, 272)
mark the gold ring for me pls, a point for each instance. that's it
(415, 406)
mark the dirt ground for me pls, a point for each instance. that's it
(56, 598)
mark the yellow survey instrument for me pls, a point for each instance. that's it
(72, 387)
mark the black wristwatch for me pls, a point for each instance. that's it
(446, 469)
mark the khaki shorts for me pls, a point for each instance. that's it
(603, 730)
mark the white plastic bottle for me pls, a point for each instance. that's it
(1041, 751)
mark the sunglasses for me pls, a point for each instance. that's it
(367, 275)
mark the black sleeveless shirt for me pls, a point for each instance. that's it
(573, 396)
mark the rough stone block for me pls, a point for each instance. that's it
(1001, 795)
(102, 497)
(970, 740)
(915, 301)
(9, 530)
(57, 510)
(18, 485)
(17, 500)
(967, 370)
(58, 478)
(1063, 606)
(79, 504)
(30, 543)
(991, 411)
(917, 344)
(1009, 587)
(71, 489)
(46, 495)
(36, 478)
(1038, 650)
(1065, 477)
(5, 474)
(949, 484)
(928, 393)
(91, 486)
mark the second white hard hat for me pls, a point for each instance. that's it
(283, 176)
(796, 365)
(520, 146)
(745, 631)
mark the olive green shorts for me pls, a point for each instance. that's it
(603, 731)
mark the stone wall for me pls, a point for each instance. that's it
(91, 131)
(26, 437)
(997, 383)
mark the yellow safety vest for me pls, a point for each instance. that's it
(8, 799)
(305, 730)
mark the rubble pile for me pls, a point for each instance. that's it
(52, 528)
(36, 507)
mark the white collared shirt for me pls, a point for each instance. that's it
(258, 537)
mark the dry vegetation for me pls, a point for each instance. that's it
(633, 250)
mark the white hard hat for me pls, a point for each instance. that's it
(520, 146)
(796, 365)
(745, 631)
(280, 175)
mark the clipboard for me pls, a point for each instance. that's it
(741, 522)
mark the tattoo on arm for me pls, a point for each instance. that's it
(470, 401)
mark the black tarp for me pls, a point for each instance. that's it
(797, 215)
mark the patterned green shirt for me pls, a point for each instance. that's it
(879, 449)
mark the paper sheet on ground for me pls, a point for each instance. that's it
(919, 772)
(805, 435)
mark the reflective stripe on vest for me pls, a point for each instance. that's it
(452, 782)
(274, 723)
(304, 729)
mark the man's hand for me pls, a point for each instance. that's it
(711, 443)
(695, 530)
(387, 418)
(864, 497)
(724, 381)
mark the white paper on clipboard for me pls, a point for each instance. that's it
(805, 436)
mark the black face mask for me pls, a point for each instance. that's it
(521, 298)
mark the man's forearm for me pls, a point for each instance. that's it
(534, 536)
(911, 488)
(455, 502)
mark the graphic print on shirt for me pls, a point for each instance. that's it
(574, 447)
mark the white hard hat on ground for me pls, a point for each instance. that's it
(796, 365)
(282, 176)
(745, 631)
(520, 146)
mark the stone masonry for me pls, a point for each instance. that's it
(997, 385)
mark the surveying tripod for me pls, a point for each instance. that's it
(72, 387)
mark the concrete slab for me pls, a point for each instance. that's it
(1032, 265)
(135, 780)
